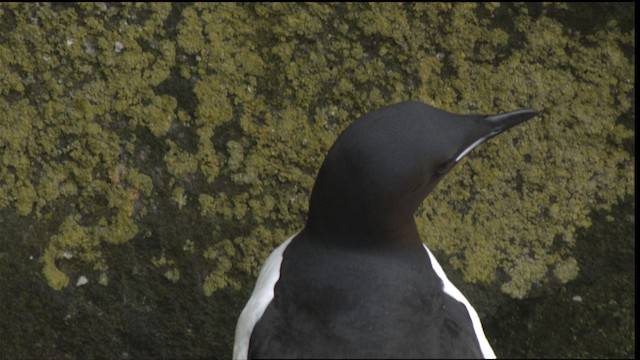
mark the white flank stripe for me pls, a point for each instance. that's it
(453, 291)
(260, 299)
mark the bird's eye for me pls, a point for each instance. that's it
(444, 167)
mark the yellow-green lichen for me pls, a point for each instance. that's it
(180, 163)
(72, 240)
(56, 278)
(220, 278)
(109, 110)
(172, 274)
(189, 246)
(207, 205)
(195, 131)
(566, 270)
(179, 197)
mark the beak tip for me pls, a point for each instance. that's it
(513, 118)
(533, 112)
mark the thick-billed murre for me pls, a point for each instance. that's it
(357, 281)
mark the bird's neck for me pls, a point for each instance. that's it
(357, 228)
(355, 208)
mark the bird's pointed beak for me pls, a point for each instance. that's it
(503, 122)
(499, 124)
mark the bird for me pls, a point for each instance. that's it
(357, 281)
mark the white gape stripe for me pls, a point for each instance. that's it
(260, 299)
(453, 291)
(478, 142)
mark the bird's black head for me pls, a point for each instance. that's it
(384, 165)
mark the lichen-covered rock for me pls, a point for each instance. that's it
(132, 133)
